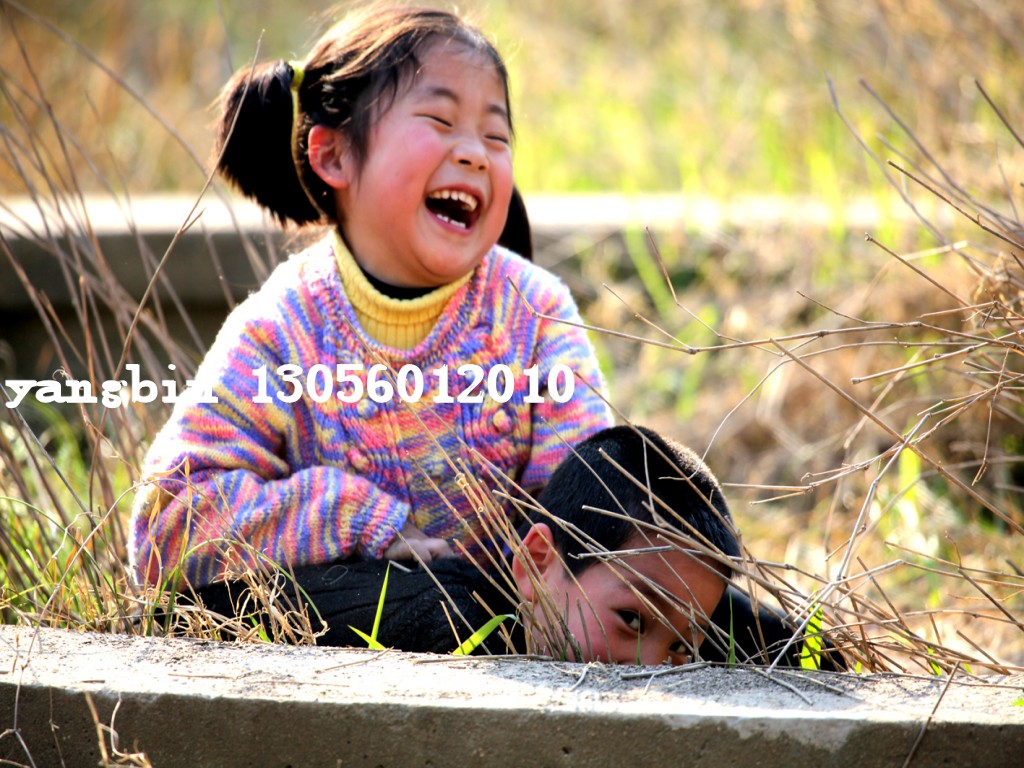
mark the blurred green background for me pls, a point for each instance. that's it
(702, 96)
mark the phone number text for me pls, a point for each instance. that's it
(351, 382)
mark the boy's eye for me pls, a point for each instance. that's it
(632, 620)
(681, 649)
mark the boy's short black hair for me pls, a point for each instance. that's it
(595, 502)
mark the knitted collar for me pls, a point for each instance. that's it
(397, 323)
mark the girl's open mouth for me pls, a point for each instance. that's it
(455, 207)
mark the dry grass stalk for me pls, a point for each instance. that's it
(66, 475)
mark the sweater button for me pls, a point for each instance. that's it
(501, 422)
(358, 460)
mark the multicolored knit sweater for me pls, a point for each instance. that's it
(315, 479)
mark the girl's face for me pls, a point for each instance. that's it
(432, 195)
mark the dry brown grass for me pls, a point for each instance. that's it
(881, 450)
(872, 423)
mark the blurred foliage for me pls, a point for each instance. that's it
(699, 96)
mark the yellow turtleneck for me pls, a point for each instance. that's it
(396, 323)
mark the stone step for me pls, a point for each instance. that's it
(238, 235)
(202, 703)
(226, 247)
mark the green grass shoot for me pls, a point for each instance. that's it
(474, 640)
(731, 659)
(470, 645)
(371, 639)
(810, 653)
(261, 632)
(639, 660)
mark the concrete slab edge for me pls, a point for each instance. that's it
(187, 702)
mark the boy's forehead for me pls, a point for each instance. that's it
(664, 577)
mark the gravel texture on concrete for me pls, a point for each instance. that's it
(201, 703)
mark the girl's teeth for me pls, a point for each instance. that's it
(442, 217)
(447, 194)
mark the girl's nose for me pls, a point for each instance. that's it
(470, 152)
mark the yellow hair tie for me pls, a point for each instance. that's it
(298, 75)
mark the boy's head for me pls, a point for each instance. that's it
(626, 489)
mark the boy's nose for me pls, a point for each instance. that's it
(651, 654)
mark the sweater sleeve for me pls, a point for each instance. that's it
(556, 426)
(232, 481)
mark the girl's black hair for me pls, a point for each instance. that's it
(516, 235)
(595, 502)
(349, 80)
(254, 139)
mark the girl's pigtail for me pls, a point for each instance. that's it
(253, 147)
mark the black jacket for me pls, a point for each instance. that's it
(345, 594)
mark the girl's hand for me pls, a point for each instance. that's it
(412, 540)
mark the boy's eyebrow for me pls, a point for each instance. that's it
(657, 594)
(444, 92)
(659, 601)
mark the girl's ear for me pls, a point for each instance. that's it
(534, 559)
(329, 156)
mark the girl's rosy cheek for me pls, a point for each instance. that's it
(419, 137)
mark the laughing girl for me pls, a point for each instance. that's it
(374, 370)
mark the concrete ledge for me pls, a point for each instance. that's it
(189, 703)
(220, 252)
(112, 246)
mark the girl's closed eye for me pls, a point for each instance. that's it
(495, 128)
(438, 119)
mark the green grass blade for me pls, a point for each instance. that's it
(480, 635)
(261, 632)
(810, 654)
(380, 603)
(371, 639)
(371, 642)
(731, 660)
